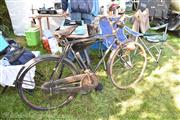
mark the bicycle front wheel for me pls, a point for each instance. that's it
(127, 64)
(33, 77)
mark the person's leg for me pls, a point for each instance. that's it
(88, 20)
(78, 17)
(74, 16)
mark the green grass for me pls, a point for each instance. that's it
(156, 97)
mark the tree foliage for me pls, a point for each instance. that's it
(5, 21)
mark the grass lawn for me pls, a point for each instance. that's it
(156, 97)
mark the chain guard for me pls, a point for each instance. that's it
(72, 84)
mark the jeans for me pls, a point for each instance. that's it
(87, 18)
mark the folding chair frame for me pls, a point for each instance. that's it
(157, 44)
(134, 34)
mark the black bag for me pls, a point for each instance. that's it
(19, 56)
(12, 45)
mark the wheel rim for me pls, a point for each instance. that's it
(38, 99)
(128, 66)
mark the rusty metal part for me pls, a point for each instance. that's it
(72, 84)
(65, 32)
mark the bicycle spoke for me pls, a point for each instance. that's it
(127, 66)
(44, 99)
(28, 91)
(61, 71)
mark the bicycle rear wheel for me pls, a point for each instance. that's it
(30, 89)
(127, 64)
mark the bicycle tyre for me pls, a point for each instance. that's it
(35, 98)
(130, 68)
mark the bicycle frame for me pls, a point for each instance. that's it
(68, 48)
(63, 78)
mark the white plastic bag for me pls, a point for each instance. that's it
(53, 45)
(8, 75)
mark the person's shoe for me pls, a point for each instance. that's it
(99, 87)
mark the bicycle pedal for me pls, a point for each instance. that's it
(99, 87)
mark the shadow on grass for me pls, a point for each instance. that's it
(171, 48)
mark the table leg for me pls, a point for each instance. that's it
(48, 23)
(40, 27)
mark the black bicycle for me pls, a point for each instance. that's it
(56, 79)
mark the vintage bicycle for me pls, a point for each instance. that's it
(57, 79)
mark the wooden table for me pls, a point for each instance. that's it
(40, 16)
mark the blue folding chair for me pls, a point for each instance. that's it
(107, 26)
